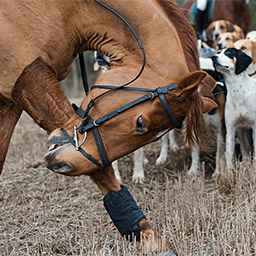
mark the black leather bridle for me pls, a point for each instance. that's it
(89, 124)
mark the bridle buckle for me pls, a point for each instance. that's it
(76, 139)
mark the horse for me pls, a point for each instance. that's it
(235, 11)
(42, 40)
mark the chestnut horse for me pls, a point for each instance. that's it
(42, 40)
(235, 11)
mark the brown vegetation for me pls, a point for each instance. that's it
(47, 214)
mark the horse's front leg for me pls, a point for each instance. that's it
(38, 92)
(126, 215)
(9, 115)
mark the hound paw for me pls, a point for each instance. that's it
(193, 172)
(161, 160)
(138, 179)
(146, 160)
(175, 147)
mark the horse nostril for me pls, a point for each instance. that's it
(52, 147)
(49, 157)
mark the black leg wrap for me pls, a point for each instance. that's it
(124, 213)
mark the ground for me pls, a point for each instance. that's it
(42, 213)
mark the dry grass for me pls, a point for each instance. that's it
(47, 214)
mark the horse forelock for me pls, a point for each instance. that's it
(189, 45)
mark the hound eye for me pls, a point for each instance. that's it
(221, 27)
(140, 125)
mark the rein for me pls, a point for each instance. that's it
(136, 37)
(89, 124)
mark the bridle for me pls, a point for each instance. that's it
(89, 124)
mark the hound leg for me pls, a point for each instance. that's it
(195, 165)
(138, 170)
(172, 141)
(254, 145)
(243, 135)
(125, 213)
(220, 159)
(230, 145)
(9, 116)
(163, 151)
(116, 171)
(38, 92)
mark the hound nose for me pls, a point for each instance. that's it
(217, 36)
(219, 46)
(214, 60)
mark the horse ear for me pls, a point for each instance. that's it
(191, 82)
(208, 105)
(243, 61)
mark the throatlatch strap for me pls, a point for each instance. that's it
(101, 148)
(168, 111)
(124, 212)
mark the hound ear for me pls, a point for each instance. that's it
(209, 31)
(253, 52)
(243, 61)
(231, 27)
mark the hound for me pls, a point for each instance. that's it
(251, 35)
(227, 40)
(240, 109)
(216, 28)
(249, 47)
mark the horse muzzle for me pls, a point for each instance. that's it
(53, 163)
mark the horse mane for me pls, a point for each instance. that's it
(188, 40)
(185, 32)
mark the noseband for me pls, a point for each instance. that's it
(89, 124)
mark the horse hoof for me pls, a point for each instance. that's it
(170, 253)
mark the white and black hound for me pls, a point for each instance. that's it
(240, 109)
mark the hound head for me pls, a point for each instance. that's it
(248, 47)
(251, 36)
(231, 61)
(226, 40)
(218, 27)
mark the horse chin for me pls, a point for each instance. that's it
(60, 167)
(54, 164)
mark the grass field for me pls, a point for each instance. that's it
(44, 214)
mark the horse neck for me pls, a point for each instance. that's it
(100, 30)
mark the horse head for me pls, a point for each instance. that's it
(86, 144)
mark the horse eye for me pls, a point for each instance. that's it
(140, 125)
